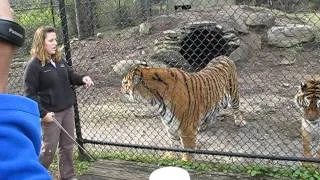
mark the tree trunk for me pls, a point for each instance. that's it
(71, 17)
(143, 9)
(84, 16)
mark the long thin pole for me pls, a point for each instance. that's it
(66, 132)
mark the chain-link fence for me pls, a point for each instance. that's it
(274, 44)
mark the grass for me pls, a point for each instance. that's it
(81, 166)
(206, 167)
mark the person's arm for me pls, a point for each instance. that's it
(31, 85)
(77, 79)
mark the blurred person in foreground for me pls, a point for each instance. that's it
(48, 79)
(20, 132)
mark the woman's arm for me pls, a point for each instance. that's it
(31, 85)
(77, 79)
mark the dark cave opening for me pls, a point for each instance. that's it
(203, 44)
(182, 7)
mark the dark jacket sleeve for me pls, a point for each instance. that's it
(31, 84)
(75, 78)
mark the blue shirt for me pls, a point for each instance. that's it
(20, 139)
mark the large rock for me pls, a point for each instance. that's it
(163, 22)
(261, 19)
(289, 35)
(144, 28)
(242, 53)
(122, 67)
(171, 58)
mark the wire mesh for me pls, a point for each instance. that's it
(274, 44)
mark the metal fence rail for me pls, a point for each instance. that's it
(274, 45)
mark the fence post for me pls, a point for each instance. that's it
(66, 42)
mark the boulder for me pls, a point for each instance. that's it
(265, 19)
(289, 35)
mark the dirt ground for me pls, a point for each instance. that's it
(268, 83)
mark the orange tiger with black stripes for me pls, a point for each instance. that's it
(187, 102)
(308, 99)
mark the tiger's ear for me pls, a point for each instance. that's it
(303, 86)
(136, 79)
(137, 75)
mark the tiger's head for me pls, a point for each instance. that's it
(308, 98)
(147, 84)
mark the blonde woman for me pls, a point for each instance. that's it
(48, 80)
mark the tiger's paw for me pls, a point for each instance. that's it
(240, 123)
(203, 128)
(168, 155)
(186, 157)
(318, 153)
(310, 165)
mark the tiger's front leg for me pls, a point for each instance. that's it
(317, 141)
(238, 119)
(307, 145)
(175, 143)
(188, 139)
(306, 142)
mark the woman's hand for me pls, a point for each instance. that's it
(87, 81)
(49, 118)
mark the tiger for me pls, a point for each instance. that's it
(308, 100)
(186, 101)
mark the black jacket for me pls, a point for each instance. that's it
(50, 86)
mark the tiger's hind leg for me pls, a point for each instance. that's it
(317, 142)
(318, 152)
(188, 139)
(238, 119)
(209, 119)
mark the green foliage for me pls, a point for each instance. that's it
(296, 173)
(306, 173)
(37, 17)
(253, 170)
(82, 166)
(295, 48)
(32, 19)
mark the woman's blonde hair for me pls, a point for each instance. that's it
(38, 47)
